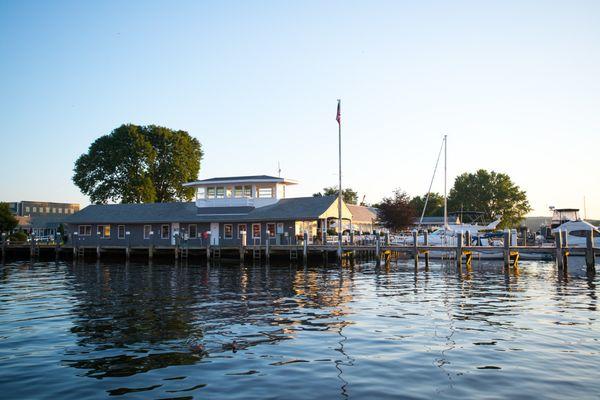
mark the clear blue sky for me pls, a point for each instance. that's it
(515, 85)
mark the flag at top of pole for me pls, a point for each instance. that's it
(338, 116)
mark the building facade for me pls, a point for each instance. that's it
(225, 210)
(41, 218)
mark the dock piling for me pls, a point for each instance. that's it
(459, 250)
(590, 257)
(559, 251)
(506, 251)
(415, 237)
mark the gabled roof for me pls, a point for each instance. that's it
(134, 213)
(241, 179)
(362, 213)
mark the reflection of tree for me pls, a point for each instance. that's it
(149, 312)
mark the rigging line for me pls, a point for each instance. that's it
(431, 183)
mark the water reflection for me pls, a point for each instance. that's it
(363, 330)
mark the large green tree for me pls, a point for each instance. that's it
(7, 220)
(139, 164)
(348, 195)
(492, 193)
(435, 205)
(396, 212)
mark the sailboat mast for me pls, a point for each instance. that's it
(445, 179)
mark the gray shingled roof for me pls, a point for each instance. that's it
(284, 210)
(238, 178)
(362, 213)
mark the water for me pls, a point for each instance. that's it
(108, 330)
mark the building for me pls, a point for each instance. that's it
(41, 218)
(226, 208)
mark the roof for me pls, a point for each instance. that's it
(299, 208)
(362, 213)
(241, 179)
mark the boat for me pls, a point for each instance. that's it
(577, 231)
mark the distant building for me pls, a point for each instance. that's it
(41, 218)
(226, 207)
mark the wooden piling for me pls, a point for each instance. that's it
(558, 249)
(98, 251)
(242, 246)
(415, 236)
(305, 246)
(426, 243)
(459, 250)
(267, 247)
(590, 257)
(506, 250)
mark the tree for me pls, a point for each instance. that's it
(8, 222)
(435, 205)
(139, 164)
(492, 193)
(396, 212)
(348, 195)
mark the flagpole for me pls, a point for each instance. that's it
(340, 228)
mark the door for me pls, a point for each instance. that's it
(214, 233)
(174, 232)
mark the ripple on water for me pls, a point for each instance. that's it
(74, 331)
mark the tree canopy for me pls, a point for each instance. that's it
(396, 212)
(348, 195)
(139, 164)
(7, 221)
(492, 193)
(435, 205)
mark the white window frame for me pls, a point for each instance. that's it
(220, 189)
(144, 231)
(238, 192)
(271, 234)
(260, 196)
(201, 192)
(211, 192)
(87, 230)
(247, 191)
(119, 231)
(168, 231)
(259, 231)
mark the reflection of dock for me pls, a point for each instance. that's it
(379, 249)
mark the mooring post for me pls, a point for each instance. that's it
(558, 249)
(267, 246)
(3, 244)
(459, 250)
(467, 238)
(426, 243)
(590, 257)
(378, 247)
(75, 243)
(128, 248)
(565, 251)
(32, 247)
(242, 245)
(208, 238)
(98, 251)
(506, 251)
(151, 247)
(305, 246)
(415, 237)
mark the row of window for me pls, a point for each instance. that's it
(221, 192)
(103, 231)
(49, 210)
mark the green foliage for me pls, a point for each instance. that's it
(7, 221)
(349, 196)
(18, 236)
(396, 212)
(435, 205)
(492, 193)
(139, 164)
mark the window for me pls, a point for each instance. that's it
(47, 209)
(238, 191)
(193, 231)
(147, 231)
(34, 209)
(220, 192)
(164, 231)
(247, 191)
(210, 193)
(104, 231)
(280, 228)
(200, 193)
(241, 228)
(228, 191)
(54, 210)
(228, 231)
(256, 231)
(85, 230)
(271, 230)
(121, 231)
(26, 209)
(265, 192)
(60, 210)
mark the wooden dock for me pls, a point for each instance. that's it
(381, 249)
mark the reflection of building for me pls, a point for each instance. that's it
(224, 207)
(41, 218)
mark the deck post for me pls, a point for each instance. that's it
(98, 251)
(558, 249)
(128, 248)
(506, 245)
(305, 246)
(459, 250)
(208, 237)
(267, 247)
(151, 247)
(590, 257)
(242, 246)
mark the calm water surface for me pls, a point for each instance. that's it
(109, 330)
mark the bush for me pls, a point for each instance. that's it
(18, 236)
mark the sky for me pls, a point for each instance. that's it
(514, 84)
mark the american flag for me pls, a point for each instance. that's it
(338, 117)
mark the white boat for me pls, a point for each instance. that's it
(577, 232)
